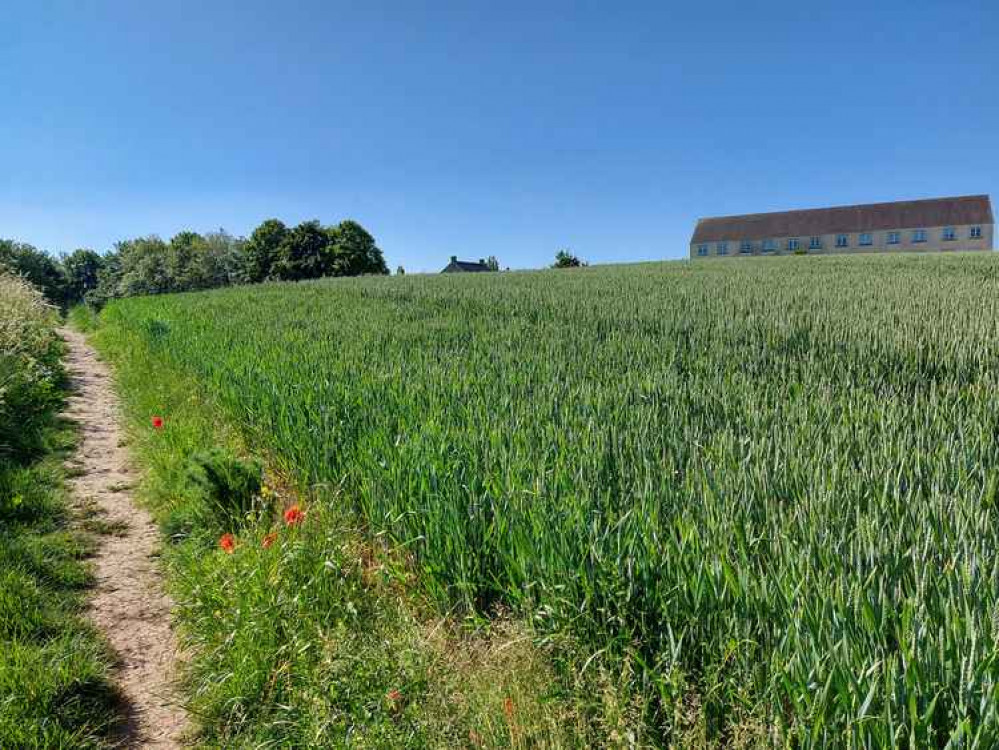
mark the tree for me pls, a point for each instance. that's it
(565, 259)
(261, 250)
(181, 262)
(192, 261)
(355, 251)
(492, 263)
(108, 282)
(82, 269)
(37, 267)
(144, 268)
(400, 271)
(203, 262)
(222, 260)
(304, 253)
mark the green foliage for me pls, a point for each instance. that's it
(189, 262)
(315, 639)
(108, 282)
(492, 263)
(197, 262)
(82, 271)
(145, 267)
(82, 317)
(305, 252)
(30, 372)
(771, 484)
(55, 690)
(565, 259)
(355, 252)
(193, 262)
(227, 489)
(54, 673)
(36, 267)
(182, 268)
(312, 251)
(261, 250)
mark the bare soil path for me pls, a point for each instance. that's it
(129, 604)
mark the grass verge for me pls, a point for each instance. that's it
(307, 634)
(55, 690)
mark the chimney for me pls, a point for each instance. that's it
(454, 258)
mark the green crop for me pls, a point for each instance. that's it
(773, 482)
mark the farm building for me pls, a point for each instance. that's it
(937, 224)
(465, 266)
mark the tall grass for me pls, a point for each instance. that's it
(770, 483)
(55, 690)
(29, 364)
(309, 634)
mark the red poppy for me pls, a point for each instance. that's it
(157, 423)
(508, 708)
(293, 515)
(228, 543)
(393, 695)
(268, 540)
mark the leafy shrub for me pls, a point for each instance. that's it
(38, 268)
(30, 372)
(565, 259)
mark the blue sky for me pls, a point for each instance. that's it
(474, 129)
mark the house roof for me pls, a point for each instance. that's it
(934, 212)
(465, 265)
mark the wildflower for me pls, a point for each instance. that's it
(508, 708)
(157, 423)
(393, 695)
(293, 515)
(228, 543)
(268, 540)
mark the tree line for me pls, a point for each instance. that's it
(191, 261)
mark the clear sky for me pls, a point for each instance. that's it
(484, 128)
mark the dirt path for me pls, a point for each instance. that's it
(128, 605)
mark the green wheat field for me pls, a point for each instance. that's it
(771, 485)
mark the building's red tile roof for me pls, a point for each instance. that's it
(935, 212)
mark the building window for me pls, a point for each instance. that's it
(792, 244)
(976, 233)
(746, 247)
(815, 243)
(919, 235)
(894, 238)
(949, 234)
(842, 240)
(702, 249)
(866, 239)
(722, 248)
(769, 246)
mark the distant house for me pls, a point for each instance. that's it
(465, 266)
(938, 224)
